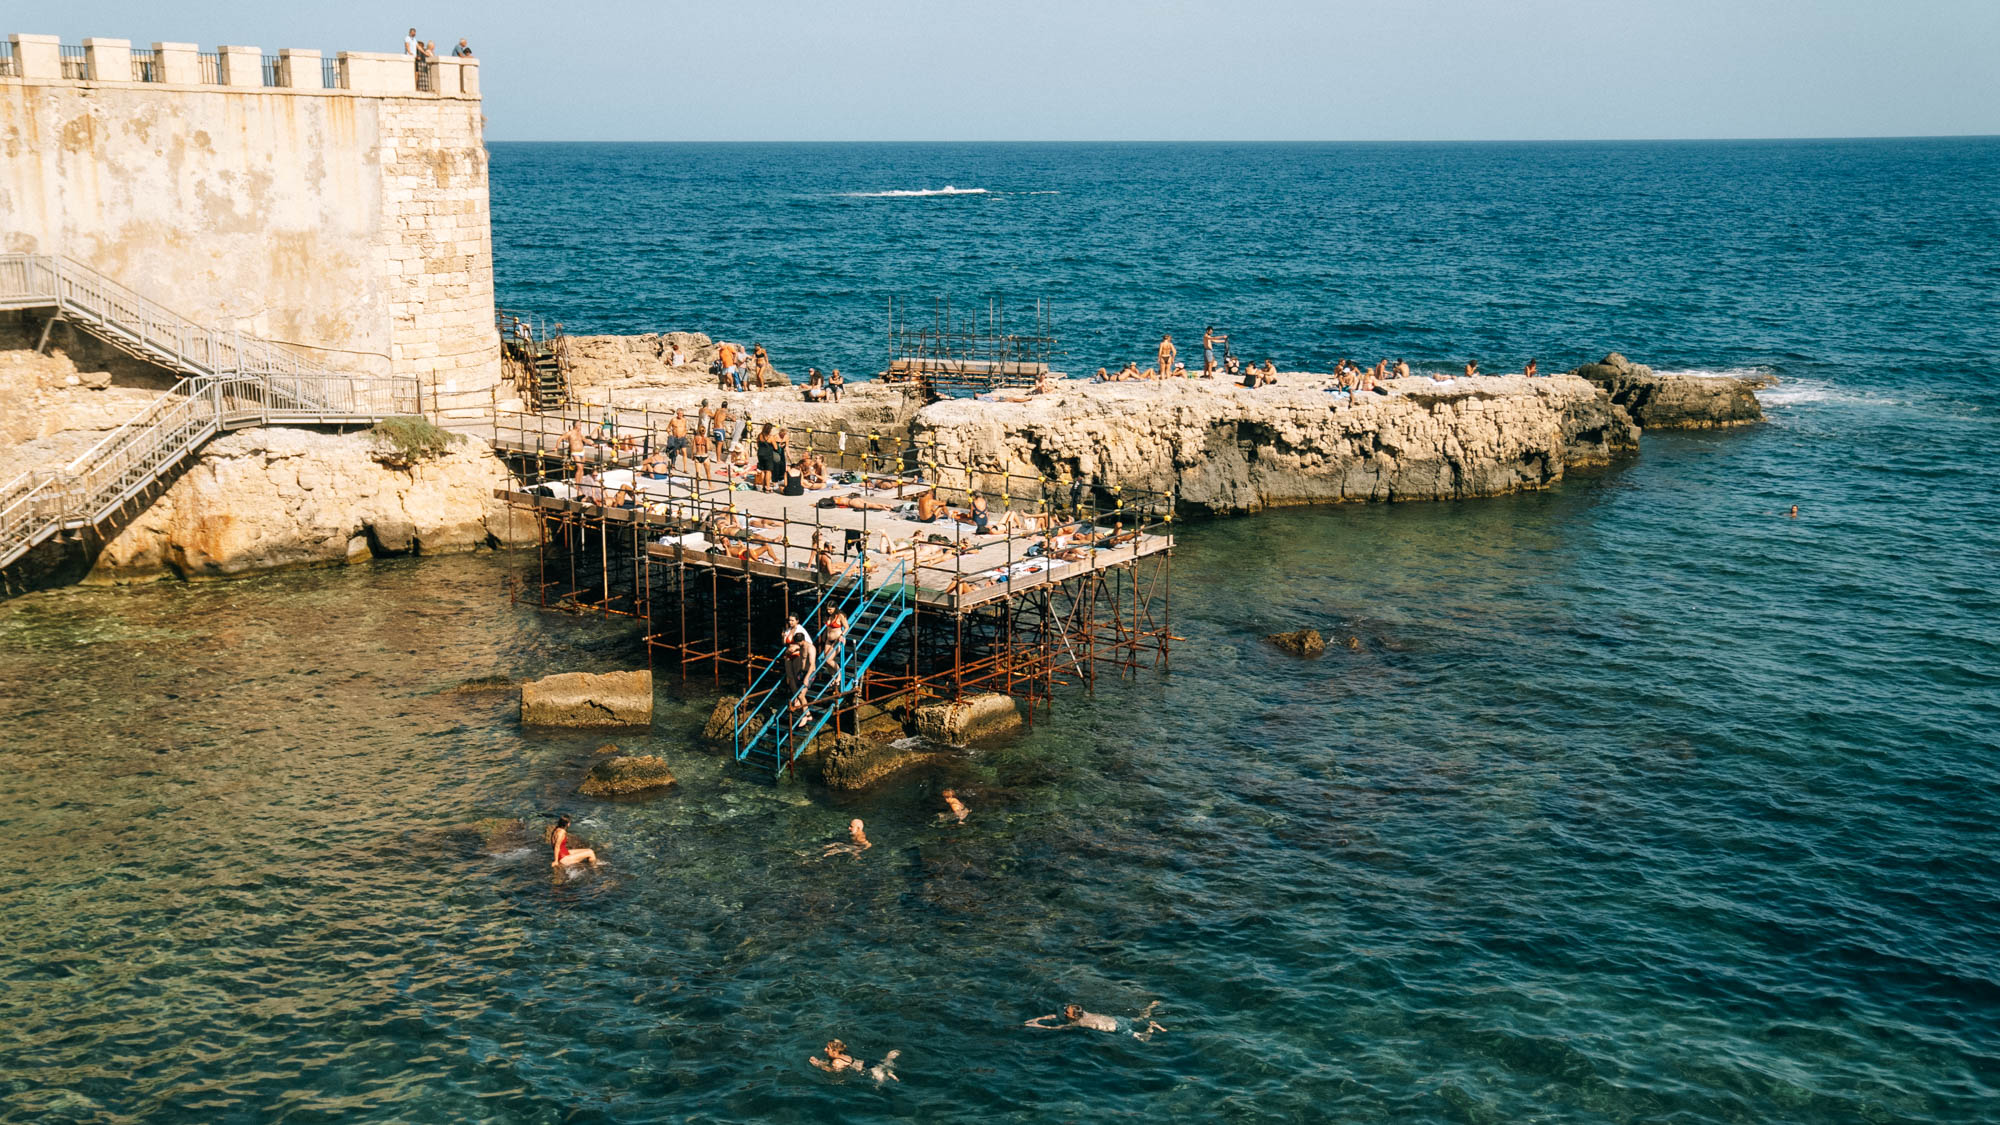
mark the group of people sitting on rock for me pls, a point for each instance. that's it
(823, 388)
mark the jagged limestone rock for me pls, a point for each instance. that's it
(265, 498)
(1226, 449)
(962, 721)
(584, 699)
(850, 763)
(1676, 402)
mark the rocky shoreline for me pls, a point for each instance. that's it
(269, 498)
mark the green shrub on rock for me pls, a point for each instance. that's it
(403, 442)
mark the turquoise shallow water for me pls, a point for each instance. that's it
(1638, 802)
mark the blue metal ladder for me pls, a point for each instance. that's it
(762, 723)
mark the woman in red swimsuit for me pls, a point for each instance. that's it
(567, 856)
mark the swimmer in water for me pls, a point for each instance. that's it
(854, 845)
(1073, 1015)
(885, 1071)
(956, 806)
(566, 856)
(1795, 511)
(837, 1059)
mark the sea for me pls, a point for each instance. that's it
(1638, 799)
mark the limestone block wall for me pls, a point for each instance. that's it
(343, 212)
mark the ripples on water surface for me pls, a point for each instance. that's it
(1638, 802)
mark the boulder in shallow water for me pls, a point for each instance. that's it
(623, 776)
(850, 763)
(975, 716)
(584, 699)
(717, 731)
(1299, 642)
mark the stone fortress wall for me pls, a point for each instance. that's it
(335, 204)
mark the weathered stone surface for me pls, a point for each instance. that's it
(1303, 642)
(1224, 448)
(584, 699)
(260, 499)
(960, 722)
(1676, 402)
(717, 731)
(347, 222)
(850, 763)
(623, 776)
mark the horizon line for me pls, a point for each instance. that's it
(1259, 141)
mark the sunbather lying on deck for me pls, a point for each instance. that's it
(856, 501)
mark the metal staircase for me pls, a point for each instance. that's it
(537, 357)
(766, 733)
(232, 381)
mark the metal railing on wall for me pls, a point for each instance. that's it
(145, 65)
(75, 63)
(271, 71)
(427, 77)
(329, 74)
(10, 64)
(211, 67)
(237, 381)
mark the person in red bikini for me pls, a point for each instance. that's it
(567, 856)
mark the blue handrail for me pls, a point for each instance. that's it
(840, 585)
(881, 612)
(859, 615)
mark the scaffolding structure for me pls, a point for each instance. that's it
(1069, 583)
(957, 355)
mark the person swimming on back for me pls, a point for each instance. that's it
(1073, 1016)
(566, 856)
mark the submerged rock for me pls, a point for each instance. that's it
(482, 685)
(623, 776)
(850, 763)
(1300, 642)
(583, 699)
(975, 716)
(1675, 402)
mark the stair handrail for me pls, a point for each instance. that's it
(891, 586)
(840, 584)
(76, 287)
(900, 604)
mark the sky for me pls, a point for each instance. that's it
(1049, 70)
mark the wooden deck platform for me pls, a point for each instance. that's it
(988, 567)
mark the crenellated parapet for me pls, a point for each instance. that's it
(45, 58)
(335, 204)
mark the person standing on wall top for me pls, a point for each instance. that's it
(461, 51)
(410, 44)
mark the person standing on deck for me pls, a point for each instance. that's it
(410, 44)
(1210, 338)
(1167, 353)
(677, 436)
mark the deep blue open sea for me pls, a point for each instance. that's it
(1637, 802)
